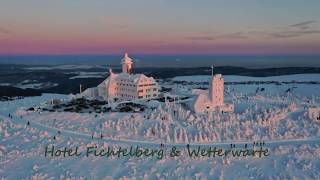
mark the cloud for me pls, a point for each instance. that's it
(297, 30)
(235, 35)
(4, 31)
(303, 24)
(201, 38)
(290, 31)
(292, 34)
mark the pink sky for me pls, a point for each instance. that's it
(144, 27)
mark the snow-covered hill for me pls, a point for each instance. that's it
(282, 114)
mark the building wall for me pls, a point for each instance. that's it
(217, 90)
(127, 89)
(206, 106)
(147, 89)
(226, 108)
(111, 87)
(124, 89)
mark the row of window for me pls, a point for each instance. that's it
(133, 90)
(125, 95)
(141, 85)
(130, 85)
(125, 90)
(133, 85)
(124, 80)
(148, 90)
(131, 81)
(148, 96)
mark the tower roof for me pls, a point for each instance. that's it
(126, 59)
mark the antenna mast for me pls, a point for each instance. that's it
(212, 70)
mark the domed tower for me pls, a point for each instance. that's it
(126, 64)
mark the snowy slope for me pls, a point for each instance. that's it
(274, 116)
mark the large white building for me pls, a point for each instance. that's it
(213, 99)
(125, 86)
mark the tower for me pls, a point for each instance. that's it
(216, 90)
(126, 64)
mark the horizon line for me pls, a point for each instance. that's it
(167, 54)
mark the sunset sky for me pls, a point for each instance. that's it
(159, 27)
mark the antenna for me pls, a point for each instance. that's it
(212, 70)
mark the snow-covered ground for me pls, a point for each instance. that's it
(88, 75)
(278, 114)
(235, 78)
(36, 85)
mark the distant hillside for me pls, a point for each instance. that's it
(226, 70)
(7, 91)
(62, 81)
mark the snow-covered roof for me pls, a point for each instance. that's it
(202, 98)
(131, 77)
(199, 91)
